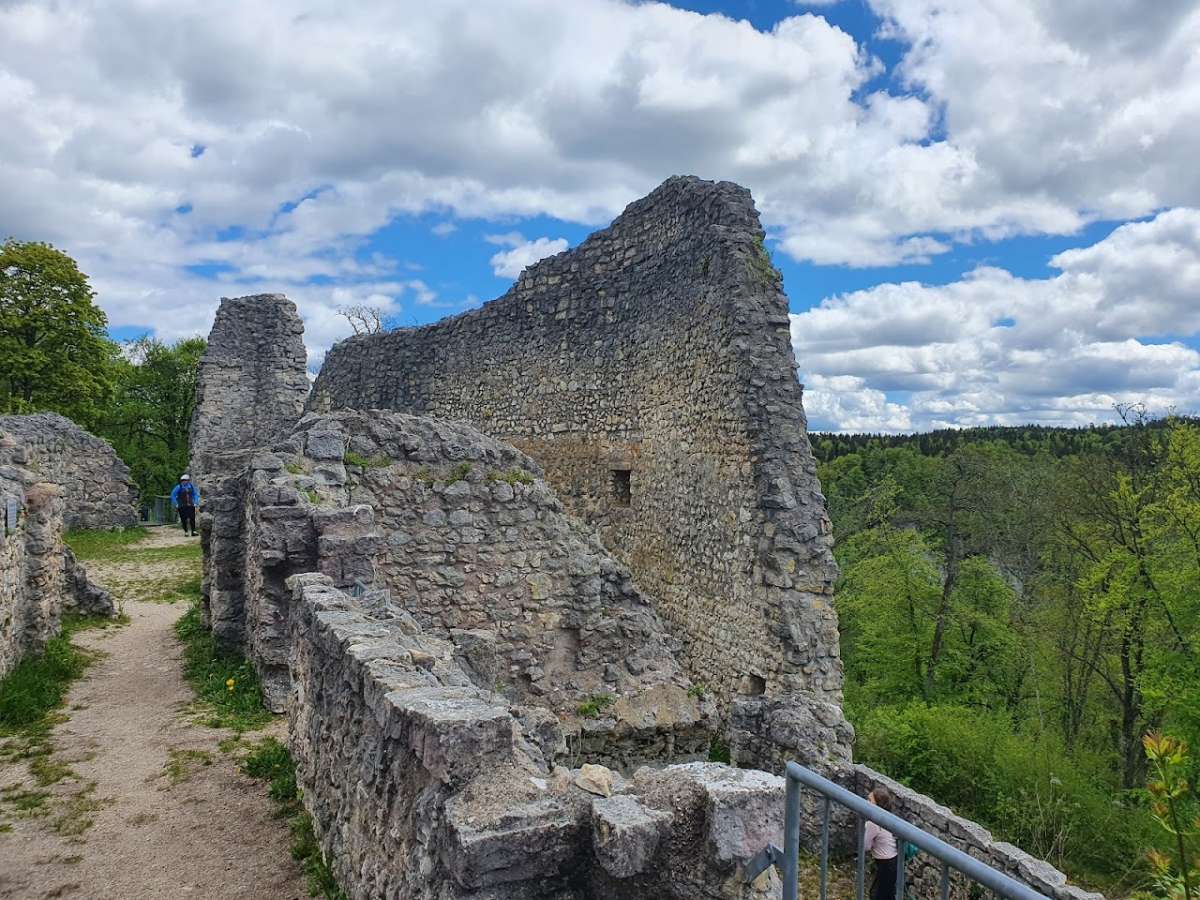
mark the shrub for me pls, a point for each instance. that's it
(1025, 787)
(595, 704)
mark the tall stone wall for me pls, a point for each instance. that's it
(253, 378)
(97, 491)
(650, 372)
(460, 532)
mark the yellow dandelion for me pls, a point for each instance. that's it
(230, 683)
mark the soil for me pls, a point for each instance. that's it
(154, 807)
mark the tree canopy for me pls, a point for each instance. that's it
(54, 352)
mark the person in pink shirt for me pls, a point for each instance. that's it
(881, 844)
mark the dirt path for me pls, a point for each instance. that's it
(170, 815)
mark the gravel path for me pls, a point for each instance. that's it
(170, 815)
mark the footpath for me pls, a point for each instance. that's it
(129, 796)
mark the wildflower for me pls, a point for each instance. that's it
(229, 684)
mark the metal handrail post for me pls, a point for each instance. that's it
(791, 841)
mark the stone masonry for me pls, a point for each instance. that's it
(650, 372)
(253, 378)
(39, 579)
(460, 532)
(97, 491)
(514, 571)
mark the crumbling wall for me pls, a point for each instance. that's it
(97, 491)
(423, 785)
(650, 372)
(31, 556)
(461, 532)
(253, 378)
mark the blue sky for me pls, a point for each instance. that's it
(984, 213)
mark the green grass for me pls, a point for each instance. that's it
(718, 751)
(182, 764)
(511, 477)
(208, 666)
(99, 544)
(270, 761)
(595, 704)
(374, 462)
(458, 473)
(37, 686)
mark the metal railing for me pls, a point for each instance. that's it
(159, 511)
(787, 860)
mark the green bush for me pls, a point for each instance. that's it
(1025, 787)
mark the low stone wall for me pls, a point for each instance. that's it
(924, 872)
(97, 490)
(422, 785)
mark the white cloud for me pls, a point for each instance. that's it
(995, 348)
(510, 263)
(444, 229)
(321, 122)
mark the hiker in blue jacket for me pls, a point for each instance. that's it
(186, 497)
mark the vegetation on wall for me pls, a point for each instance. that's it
(1017, 612)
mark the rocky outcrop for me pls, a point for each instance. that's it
(253, 378)
(97, 490)
(650, 373)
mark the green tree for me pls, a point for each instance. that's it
(54, 353)
(152, 409)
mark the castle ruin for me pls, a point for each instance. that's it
(515, 575)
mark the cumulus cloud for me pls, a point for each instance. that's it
(159, 143)
(521, 253)
(995, 348)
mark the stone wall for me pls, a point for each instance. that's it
(253, 378)
(31, 570)
(423, 785)
(97, 491)
(650, 372)
(40, 579)
(459, 531)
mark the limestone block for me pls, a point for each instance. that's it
(626, 834)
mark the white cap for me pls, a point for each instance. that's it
(185, 477)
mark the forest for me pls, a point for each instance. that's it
(1020, 608)
(56, 355)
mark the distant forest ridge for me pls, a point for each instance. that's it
(1058, 441)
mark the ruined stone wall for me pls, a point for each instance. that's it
(459, 531)
(97, 491)
(422, 785)
(31, 556)
(651, 374)
(253, 379)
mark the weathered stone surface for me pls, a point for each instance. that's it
(595, 780)
(626, 834)
(97, 491)
(81, 594)
(650, 372)
(252, 381)
(39, 577)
